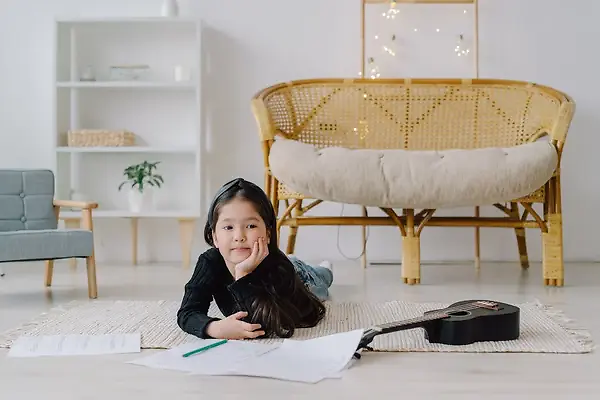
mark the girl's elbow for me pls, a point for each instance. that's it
(182, 319)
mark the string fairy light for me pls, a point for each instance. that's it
(373, 72)
(373, 69)
(389, 49)
(392, 11)
(461, 49)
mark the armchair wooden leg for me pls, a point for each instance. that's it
(73, 223)
(91, 276)
(49, 271)
(90, 262)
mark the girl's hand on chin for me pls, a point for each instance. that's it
(260, 251)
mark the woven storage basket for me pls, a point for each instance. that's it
(100, 137)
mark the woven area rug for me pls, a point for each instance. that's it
(543, 329)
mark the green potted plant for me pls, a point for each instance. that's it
(140, 178)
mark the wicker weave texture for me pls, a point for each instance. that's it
(100, 138)
(414, 115)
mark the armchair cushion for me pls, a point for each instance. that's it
(26, 200)
(47, 244)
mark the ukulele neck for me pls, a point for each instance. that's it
(410, 323)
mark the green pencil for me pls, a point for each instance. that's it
(201, 349)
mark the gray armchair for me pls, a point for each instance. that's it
(29, 224)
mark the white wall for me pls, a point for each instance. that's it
(253, 44)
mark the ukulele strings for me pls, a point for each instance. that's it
(432, 316)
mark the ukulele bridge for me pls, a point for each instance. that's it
(488, 304)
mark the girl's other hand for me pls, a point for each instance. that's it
(232, 328)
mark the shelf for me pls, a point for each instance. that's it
(164, 114)
(128, 214)
(421, 1)
(126, 84)
(127, 20)
(128, 149)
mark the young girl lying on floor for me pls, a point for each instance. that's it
(256, 286)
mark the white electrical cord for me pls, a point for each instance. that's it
(338, 241)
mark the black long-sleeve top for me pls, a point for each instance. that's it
(211, 278)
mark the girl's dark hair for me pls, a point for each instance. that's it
(285, 303)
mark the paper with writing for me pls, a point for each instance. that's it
(307, 361)
(70, 345)
(219, 360)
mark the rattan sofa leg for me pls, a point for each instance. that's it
(411, 260)
(291, 243)
(522, 246)
(552, 255)
(364, 238)
(411, 250)
(520, 235)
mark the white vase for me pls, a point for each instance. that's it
(77, 196)
(139, 201)
(170, 8)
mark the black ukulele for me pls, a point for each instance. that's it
(461, 323)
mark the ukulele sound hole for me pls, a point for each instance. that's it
(460, 313)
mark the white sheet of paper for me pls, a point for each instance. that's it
(220, 360)
(71, 345)
(308, 361)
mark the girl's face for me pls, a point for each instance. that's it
(238, 227)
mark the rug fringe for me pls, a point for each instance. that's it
(8, 337)
(579, 333)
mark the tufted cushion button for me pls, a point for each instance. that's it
(22, 195)
(23, 219)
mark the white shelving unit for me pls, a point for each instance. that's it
(163, 113)
(134, 84)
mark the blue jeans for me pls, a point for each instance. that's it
(317, 279)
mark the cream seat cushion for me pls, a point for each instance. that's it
(411, 178)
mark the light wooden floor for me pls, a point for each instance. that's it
(376, 376)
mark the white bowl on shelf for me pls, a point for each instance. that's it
(128, 72)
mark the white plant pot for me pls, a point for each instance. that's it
(140, 201)
(170, 8)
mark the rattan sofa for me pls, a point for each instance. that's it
(419, 146)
